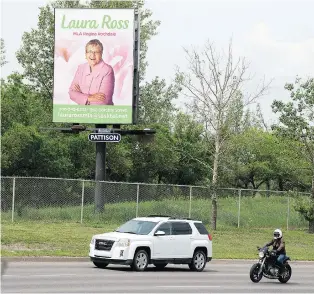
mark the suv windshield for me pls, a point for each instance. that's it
(138, 227)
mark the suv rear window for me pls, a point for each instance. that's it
(201, 228)
(181, 228)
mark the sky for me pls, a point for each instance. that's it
(276, 37)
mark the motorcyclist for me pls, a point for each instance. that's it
(278, 244)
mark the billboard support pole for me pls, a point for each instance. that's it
(136, 62)
(100, 173)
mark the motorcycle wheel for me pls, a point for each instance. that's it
(254, 276)
(286, 275)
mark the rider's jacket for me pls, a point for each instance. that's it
(278, 244)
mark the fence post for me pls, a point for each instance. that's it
(137, 198)
(13, 200)
(190, 206)
(288, 212)
(239, 209)
(82, 206)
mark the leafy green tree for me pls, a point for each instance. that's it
(21, 104)
(119, 160)
(194, 165)
(18, 154)
(29, 152)
(81, 154)
(155, 161)
(26, 152)
(296, 121)
(156, 102)
(256, 158)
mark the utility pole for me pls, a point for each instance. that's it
(100, 172)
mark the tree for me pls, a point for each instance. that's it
(28, 152)
(21, 104)
(2, 52)
(193, 167)
(36, 54)
(213, 88)
(156, 102)
(155, 161)
(296, 120)
(119, 160)
(257, 157)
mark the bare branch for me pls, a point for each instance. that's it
(214, 89)
(261, 90)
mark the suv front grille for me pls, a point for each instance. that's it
(104, 245)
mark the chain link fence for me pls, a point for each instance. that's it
(68, 200)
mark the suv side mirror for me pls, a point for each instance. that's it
(160, 233)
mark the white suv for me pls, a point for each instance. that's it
(157, 240)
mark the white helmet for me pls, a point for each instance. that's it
(277, 234)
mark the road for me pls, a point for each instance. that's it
(83, 277)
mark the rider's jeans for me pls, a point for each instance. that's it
(281, 258)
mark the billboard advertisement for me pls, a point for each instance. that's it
(93, 66)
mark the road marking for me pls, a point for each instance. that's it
(118, 274)
(27, 276)
(187, 286)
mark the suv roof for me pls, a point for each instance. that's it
(162, 217)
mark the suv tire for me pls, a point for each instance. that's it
(140, 260)
(100, 264)
(198, 262)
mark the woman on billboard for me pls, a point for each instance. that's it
(94, 81)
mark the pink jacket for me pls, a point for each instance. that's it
(101, 79)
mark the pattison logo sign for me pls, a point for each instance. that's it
(96, 137)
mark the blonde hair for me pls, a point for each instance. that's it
(94, 42)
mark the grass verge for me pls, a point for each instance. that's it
(256, 211)
(72, 239)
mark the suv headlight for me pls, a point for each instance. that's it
(124, 243)
(92, 241)
(261, 254)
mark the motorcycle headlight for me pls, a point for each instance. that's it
(124, 243)
(261, 254)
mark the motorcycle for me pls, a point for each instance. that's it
(268, 267)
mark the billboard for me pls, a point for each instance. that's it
(93, 65)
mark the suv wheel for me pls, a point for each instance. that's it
(140, 261)
(198, 262)
(100, 264)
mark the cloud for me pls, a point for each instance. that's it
(282, 56)
(278, 53)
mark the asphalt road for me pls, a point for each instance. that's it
(83, 277)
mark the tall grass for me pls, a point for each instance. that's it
(260, 212)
